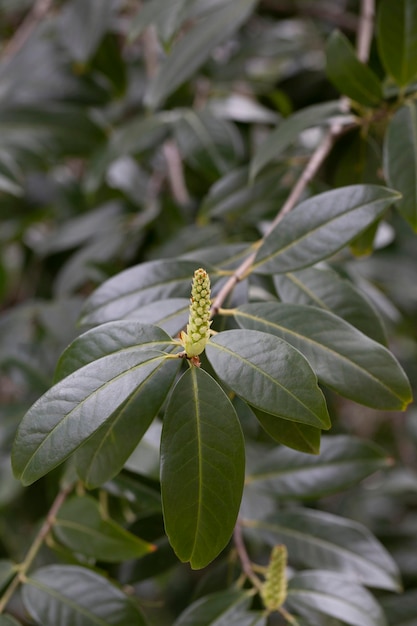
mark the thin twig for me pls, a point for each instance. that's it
(35, 547)
(244, 557)
(176, 172)
(38, 12)
(315, 162)
(365, 30)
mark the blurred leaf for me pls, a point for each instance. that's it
(69, 595)
(336, 543)
(165, 18)
(400, 159)
(343, 461)
(170, 314)
(343, 358)
(288, 130)
(401, 609)
(75, 408)
(195, 47)
(208, 144)
(7, 620)
(121, 296)
(80, 527)
(351, 77)
(202, 468)
(7, 571)
(261, 369)
(220, 609)
(397, 39)
(83, 25)
(321, 226)
(324, 288)
(331, 594)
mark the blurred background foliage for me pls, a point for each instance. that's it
(103, 167)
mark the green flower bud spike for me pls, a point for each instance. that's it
(274, 589)
(198, 327)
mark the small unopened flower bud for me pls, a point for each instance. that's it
(198, 327)
(274, 590)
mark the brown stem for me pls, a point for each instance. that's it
(35, 547)
(176, 172)
(32, 19)
(244, 557)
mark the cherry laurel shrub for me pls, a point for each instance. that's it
(188, 425)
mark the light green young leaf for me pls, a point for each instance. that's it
(343, 461)
(195, 47)
(269, 374)
(325, 289)
(75, 408)
(331, 594)
(336, 543)
(400, 159)
(202, 468)
(343, 358)
(80, 527)
(122, 295)
(351, 77)
(397, 39)
(69, 595)
(288, 130)
(321, 226)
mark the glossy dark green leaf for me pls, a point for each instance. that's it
(81, 527)
(288, 130)
(343, 461)
(335, 543)
(75, 408)
(120, 296)
(331, 594)
(397, 39)
(321, 226)
(195, 47)
(69, 595)
(324, 288)
(202, 468)
(343, 358)
(292, 434)
(107, 339)
(400, 159)
(351, 77)
(269, 374)
(170, 314)
(105, 453)
(220, 609)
